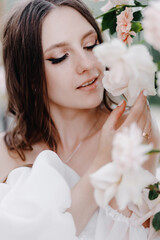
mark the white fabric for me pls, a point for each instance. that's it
(34, 203)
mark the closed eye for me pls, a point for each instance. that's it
(58, 60)
(92, 46)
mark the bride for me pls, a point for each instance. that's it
(62, 128)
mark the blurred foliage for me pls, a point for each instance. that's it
(109, 22)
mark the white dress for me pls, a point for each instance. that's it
(34, 203)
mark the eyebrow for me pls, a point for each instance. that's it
(62, 44)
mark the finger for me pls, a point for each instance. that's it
(141, 122)
(108, 131)
(147, 131)
(115, 116)
(137, 109)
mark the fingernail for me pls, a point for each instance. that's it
(145, 93)
(120, 103)
(147, 102)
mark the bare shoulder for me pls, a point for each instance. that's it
(10, 160)
(7, 161)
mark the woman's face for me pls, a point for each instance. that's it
(73, 74)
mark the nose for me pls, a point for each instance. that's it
(85, 61)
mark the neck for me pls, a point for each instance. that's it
(73, 125)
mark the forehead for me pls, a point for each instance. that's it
(63, 24)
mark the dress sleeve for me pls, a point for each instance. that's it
(144, 212)
(34, 202)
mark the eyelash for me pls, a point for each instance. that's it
(58, 60)
(92, 46)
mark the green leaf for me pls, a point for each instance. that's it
(138, 4)
(154, 100)
(136, 27)
(153, 151)
(158, 65)
(109, 22)
(137, 16)
(154, 53)
(156, 221)
(156, 185)
(152, 195)
(154, 191)
(153, 186)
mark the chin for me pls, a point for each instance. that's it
(93, 102)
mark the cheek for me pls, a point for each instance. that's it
(53, 77)
(57, 81)
(100, 67)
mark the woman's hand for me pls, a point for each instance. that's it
(139, 113)
(83, 192)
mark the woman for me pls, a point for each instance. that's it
(55, 96)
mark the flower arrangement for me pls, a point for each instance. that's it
(122, 178)
(128, 21)
(131, 69)
(134, 33)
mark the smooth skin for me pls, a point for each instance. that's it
(75, 110)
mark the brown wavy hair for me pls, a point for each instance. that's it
(25, 75)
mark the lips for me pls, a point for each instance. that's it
(87, 83)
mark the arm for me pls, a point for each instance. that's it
(83, 204)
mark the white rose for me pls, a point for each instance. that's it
(109, 182)
(129, 152)
(131, 69)
(151, 24)
(105, 182)
(123, 178)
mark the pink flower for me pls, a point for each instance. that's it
(131, 69)
(124, 26)
(151, 24)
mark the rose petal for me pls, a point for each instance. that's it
(103, 197)
(109, 52)
(131, 187)
(105, 175)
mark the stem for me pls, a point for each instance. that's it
(125, 97)
(153, 187)
(153, 151)
(136, 6)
